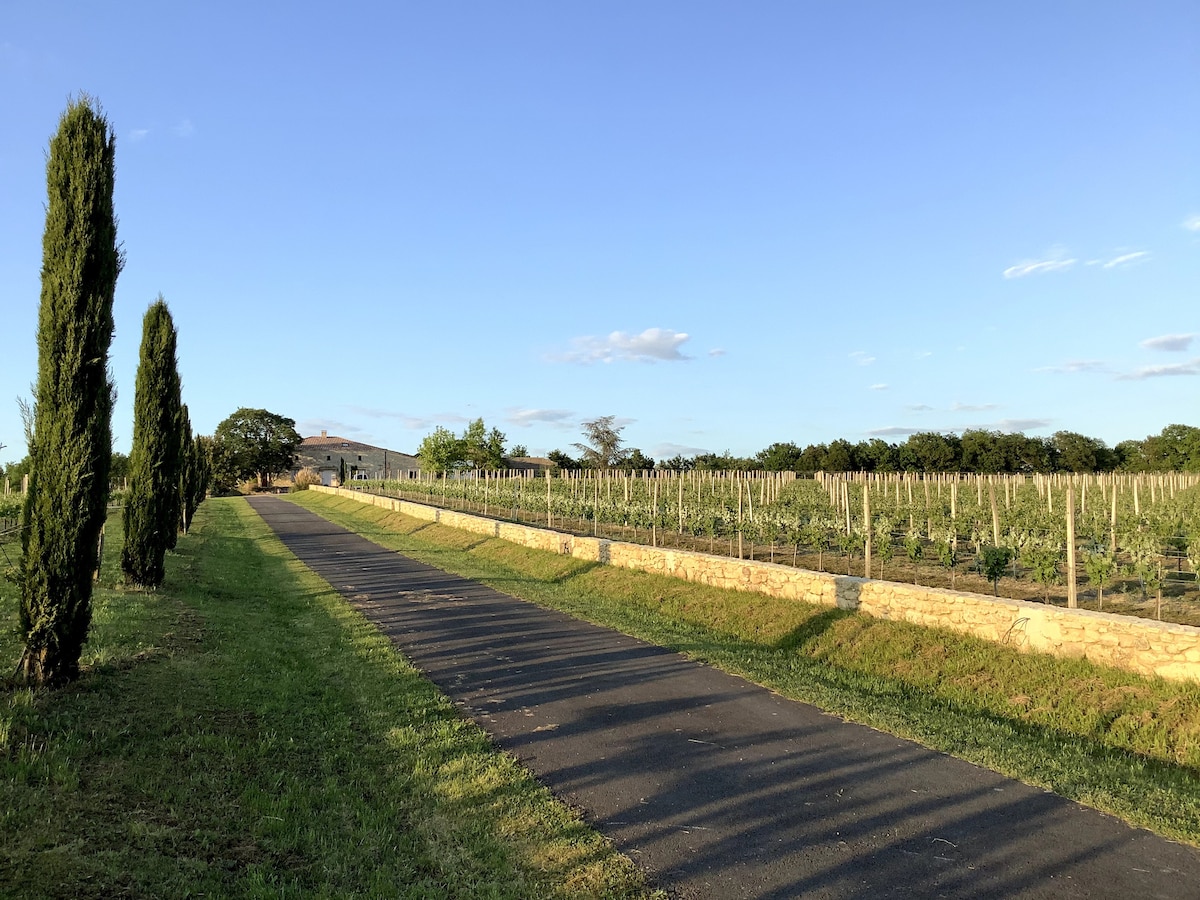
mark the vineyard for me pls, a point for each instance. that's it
(1132, 541)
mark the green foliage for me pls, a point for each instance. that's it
(440, 451)
(1100, 566)
(193, 482)
(71, 440)
(1043, 562)
(341, 471)
(993, 561)
(480, 448)
(637, 461)
(254, 443)
(152, 506)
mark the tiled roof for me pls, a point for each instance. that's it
(333, 442)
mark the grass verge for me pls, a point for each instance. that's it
(1113, 740)
(243, 732)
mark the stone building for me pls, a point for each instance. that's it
(326, 453)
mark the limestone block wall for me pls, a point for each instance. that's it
(1138, 645)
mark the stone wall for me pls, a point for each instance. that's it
(1138, 645)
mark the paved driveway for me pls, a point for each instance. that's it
(717, 787)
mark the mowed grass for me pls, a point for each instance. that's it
(1113, 740)
(242, 732)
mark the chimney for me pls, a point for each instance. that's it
(324, 433)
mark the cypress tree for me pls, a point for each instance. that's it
(189, 473)
(71, 440)
(152, 502)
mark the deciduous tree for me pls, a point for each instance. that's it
(256, 443)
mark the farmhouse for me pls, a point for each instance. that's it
(326, 453)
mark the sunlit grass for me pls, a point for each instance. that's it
(243, 732)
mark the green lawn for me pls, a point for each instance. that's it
(1113, 740)
(242, 732)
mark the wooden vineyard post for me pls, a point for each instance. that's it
(867, 527)
(954, 513)
(549, 518)
(995, 514)
(1072, 587)
(679, 478)
(1112, 527)
(1137, 506)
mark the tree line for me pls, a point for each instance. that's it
(1175, 449)
(68, 424)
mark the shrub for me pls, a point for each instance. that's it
(305, 478)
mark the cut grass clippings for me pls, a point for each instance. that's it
(1111, 739)
(243, 732)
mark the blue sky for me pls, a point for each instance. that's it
(726, 224)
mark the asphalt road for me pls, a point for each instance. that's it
(719, 788)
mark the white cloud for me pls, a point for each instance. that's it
(972, 407)
(893, 431)
(138, 134)
(415, 423)
(923, 354)
(669, 450)
(652, 345)
(1192, 367)
(717, 351)
(1057, 261)
(185, 129)
(1126, 259)
(1022, 424)
(1074, 366)
(1172, 343)
(919, 407)
(311, 427)
(879, 387)
(1192, 223)
(862, 358)
(525, 418)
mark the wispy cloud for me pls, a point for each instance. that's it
(1023, 424)
(668, 450)
(923, 354)
(1191, 367)
(862, 358)
(185, 129)
(1055, 261)
(1077, 366)
(408, 420)
(310, 427)
(1191, 223)
(138, 134)
(652, 345)
(1171, 343)
(972, 407)
(919, 407)
(717, 351)
(893, 431)
(878, 387)
(525, 418)
(1125, 259)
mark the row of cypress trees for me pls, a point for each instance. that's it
(70, 422)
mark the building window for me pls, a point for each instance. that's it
(327, 459)
(360, 459)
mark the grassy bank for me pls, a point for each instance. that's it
(1113, 740)
(242, 732)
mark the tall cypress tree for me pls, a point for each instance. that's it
(152, 502)
(189, 472)
(71, 441)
